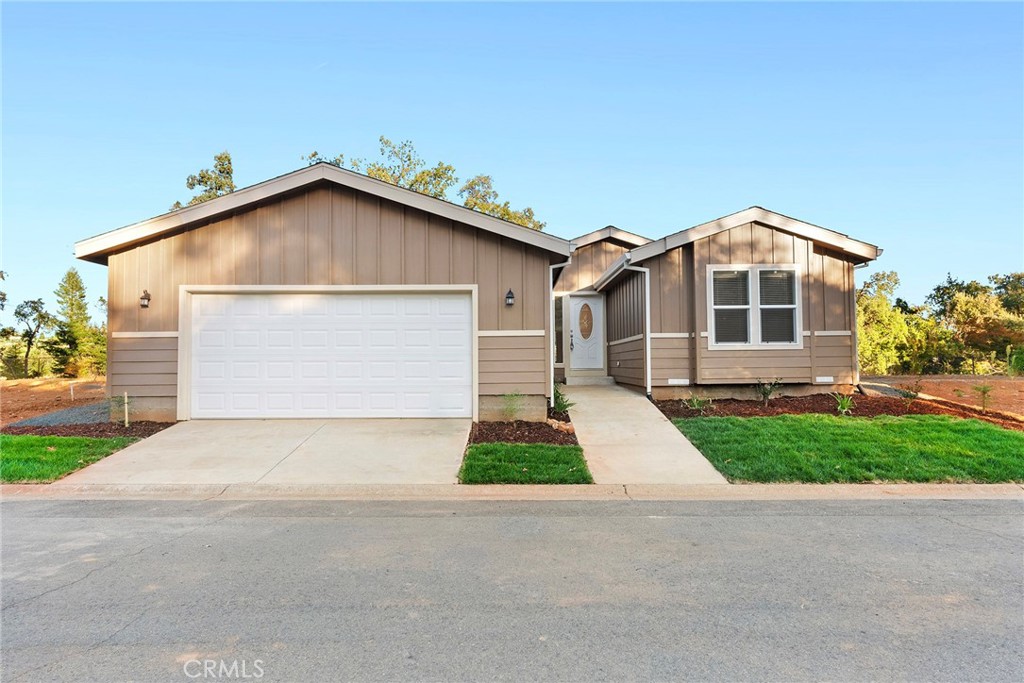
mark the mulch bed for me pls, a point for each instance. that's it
(96, 430)
(555, 415)
(520, 431)
(864, 406)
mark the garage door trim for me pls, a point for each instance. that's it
(185, 323)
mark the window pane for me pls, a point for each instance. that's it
(778, 288)
(778, 325)
(731, 326)
(731, 288)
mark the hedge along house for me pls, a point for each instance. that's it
(753, 295)
(325, 293)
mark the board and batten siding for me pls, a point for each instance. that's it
(329, 235)
(679, 347)
(624, 312)
(588, 264)
(825, 287)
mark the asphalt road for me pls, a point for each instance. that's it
(581, 591)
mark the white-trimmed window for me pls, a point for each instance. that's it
(754, 306)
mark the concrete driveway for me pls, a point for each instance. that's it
(289, 452)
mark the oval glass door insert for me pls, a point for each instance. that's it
(586, 321)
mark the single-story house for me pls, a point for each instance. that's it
(751, 296)
(325, 293)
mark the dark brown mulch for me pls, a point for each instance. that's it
(864, 406)
(520, 431)
(555, 415)
(97, 429)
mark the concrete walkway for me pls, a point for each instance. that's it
(627, 440)
(287, 453)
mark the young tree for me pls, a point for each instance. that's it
(72, 325)
(33, 316)
(881, 327)
(3, 295)
(479, 194)
(214, 182)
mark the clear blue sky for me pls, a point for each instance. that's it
(899, 124)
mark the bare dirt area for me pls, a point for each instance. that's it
(864, 406)
(520, 431)
(1007, 394)
(21, 399)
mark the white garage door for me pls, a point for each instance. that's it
(331, 355)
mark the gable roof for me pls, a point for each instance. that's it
(861, 251)
(610, 232)
(96, 249)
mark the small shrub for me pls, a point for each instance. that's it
(909, 392)
(983, 390)
(701, 405)
(512, 405)
(844, 403)
(766, 389)
(1015, 364)
(562, 404)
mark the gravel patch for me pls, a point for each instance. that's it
(87, 414)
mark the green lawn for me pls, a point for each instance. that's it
(830, 449)
(514, 463)
(41, 459)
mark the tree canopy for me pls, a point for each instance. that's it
(212, 183)
(401, 165)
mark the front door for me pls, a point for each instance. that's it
(586, 332)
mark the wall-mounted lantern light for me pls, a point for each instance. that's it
(144, 299)
(510, 298)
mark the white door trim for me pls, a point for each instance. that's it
(185, 293)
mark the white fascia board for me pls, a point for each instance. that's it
(756, 214)
(611, 232)
(89, 249)
(647, 251)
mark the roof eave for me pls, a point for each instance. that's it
(97, 248)
(829, 238)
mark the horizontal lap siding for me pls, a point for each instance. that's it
(626, 363)
(670, 359)
(512, 365)
(143, 366)
(746, 366)
(833, 356)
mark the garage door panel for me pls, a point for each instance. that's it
(332, 355)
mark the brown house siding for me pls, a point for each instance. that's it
(330, 236)
(624, 307)
(827, 307)
(679, 307)
(588, 264)
(626, 363)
